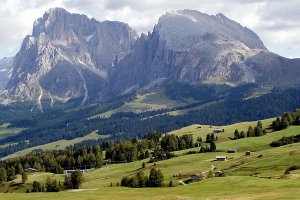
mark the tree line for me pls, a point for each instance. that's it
(139, 180)
(66, 123)
(286, 120)
(54, 161)
(285, 141)
(257, 131)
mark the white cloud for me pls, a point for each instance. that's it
(276, 21)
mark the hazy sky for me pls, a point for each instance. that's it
(277, 22)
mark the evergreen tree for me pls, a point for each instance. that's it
(142, 179)
(68, 183)
(36, 187)
(133, 182)
(20, 169)
(24, 177)
(147, 154)
(156, 178)
(3, 175)
(208, 139)
(250, 132)
(76, 179)
(242, 134)
(236, 134)
(259, 124)
(213, 146)
(48, 184)
(37, 166)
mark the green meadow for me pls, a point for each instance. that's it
(247, 177)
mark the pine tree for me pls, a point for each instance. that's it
(76, 179)
(24, 177)
(213, 146)
(156, 178)
(20, 169)
(142, 179)
(3, 175)
(68, 183)
(208, 140)
(250, 132)
(236, 134)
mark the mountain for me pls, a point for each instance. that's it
(70, 56)
(189, 46)
(6, 67)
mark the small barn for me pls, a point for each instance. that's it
(248, 153)
(221, 158)
(232, 151)
(198, 177)
(31, 170)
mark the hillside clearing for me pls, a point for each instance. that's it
(61, 144)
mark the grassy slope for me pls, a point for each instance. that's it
(154, 100)
(7, 132)
(60, 144)
(246, 175)
(196, 131)
(217, 188)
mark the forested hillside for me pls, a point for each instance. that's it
(64, 123)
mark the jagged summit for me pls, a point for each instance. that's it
(65, 55)
(71, 56)
(180, 24)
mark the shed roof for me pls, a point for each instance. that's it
(221, 157)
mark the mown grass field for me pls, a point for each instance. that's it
(248, 177)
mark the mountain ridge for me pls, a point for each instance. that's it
(68, 53)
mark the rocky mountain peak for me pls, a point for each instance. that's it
(190, 25)
(69, 56)
(66, 54)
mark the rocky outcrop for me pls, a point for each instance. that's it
(68, 56)
(6, 67)
(189, 46)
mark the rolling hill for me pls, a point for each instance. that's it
(247, 177)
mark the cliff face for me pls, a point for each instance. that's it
(6, 67)
(68, 56)
(71, 56)
(189, 46)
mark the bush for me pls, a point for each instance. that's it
(173, 183)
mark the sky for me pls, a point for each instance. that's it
(277, 22)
